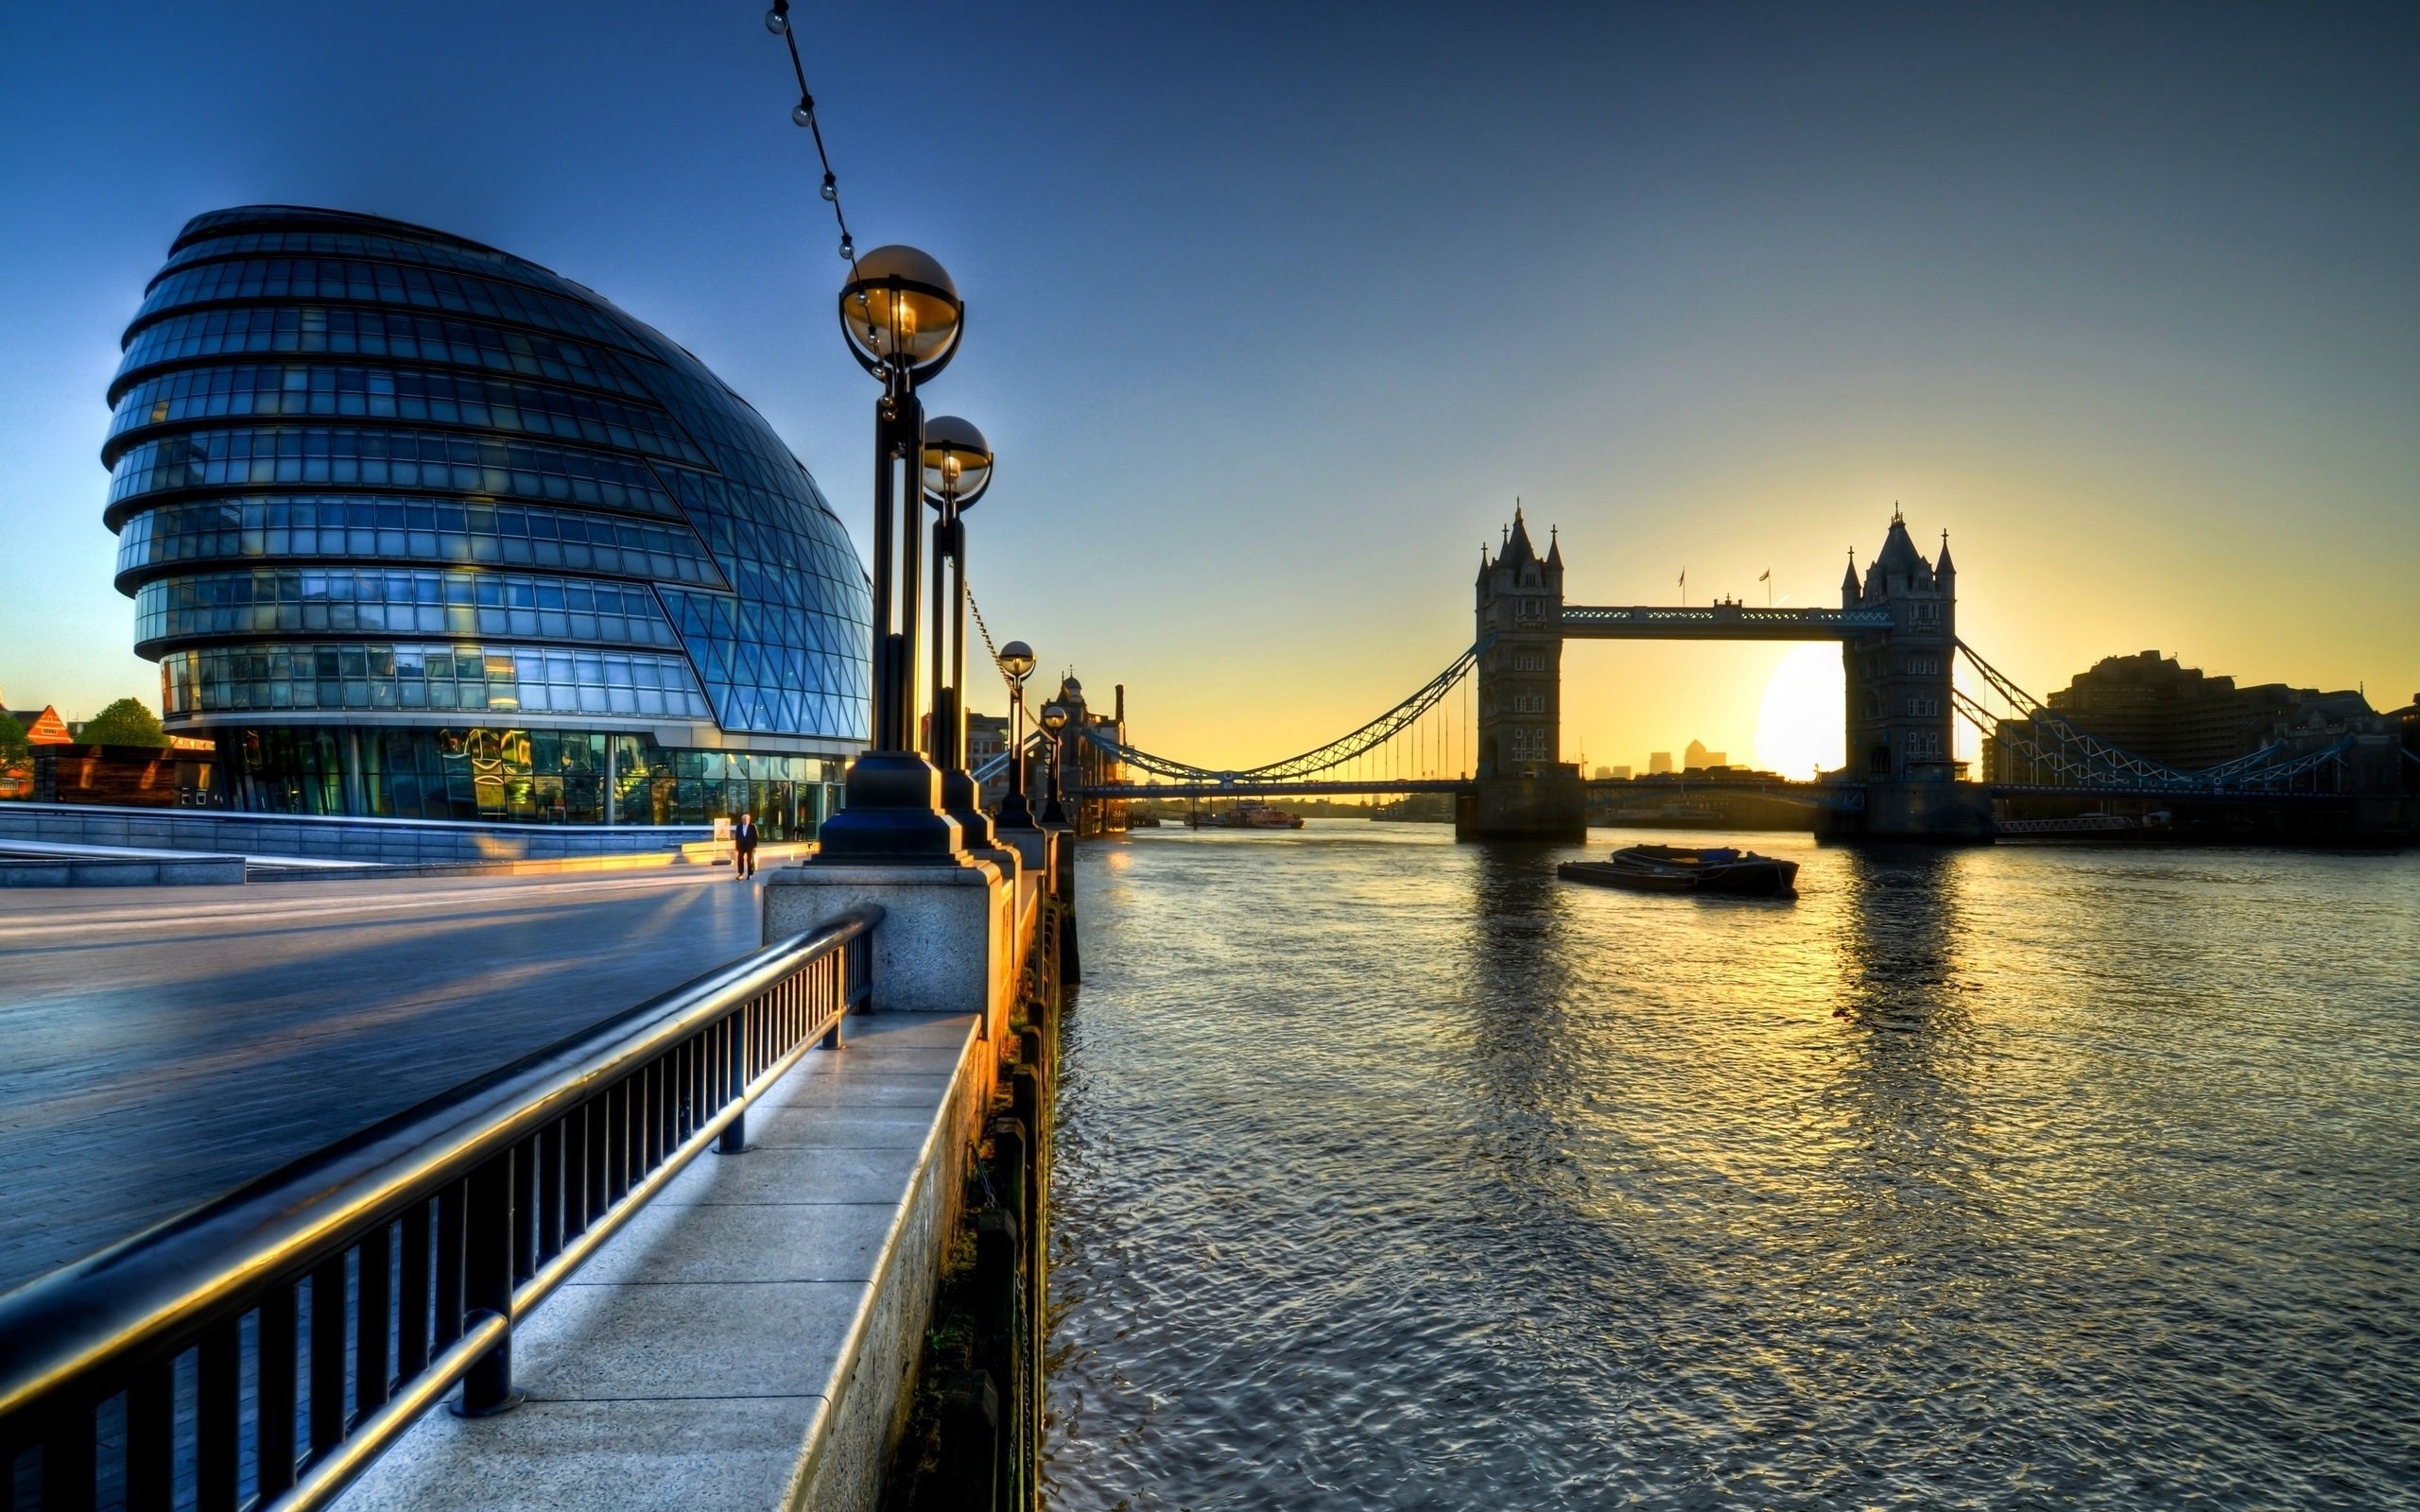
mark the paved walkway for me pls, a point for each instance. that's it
(161, 1045)
(739, 1347)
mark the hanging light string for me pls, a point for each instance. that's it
(777, 21)
(977, 609)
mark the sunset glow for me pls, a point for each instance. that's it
(1798, 724)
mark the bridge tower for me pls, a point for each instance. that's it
(1524, 788)
(1898, 719)
(1899, 714)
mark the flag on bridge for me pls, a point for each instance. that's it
(1766, 576)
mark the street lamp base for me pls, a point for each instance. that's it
(961, 803)
(893, 813)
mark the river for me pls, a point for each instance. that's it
(1393, 1173)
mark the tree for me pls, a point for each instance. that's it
(15, 751)
(126, 722)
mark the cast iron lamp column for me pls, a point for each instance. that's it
(1016, 659)
(1054, 719)
(957, 469)
(903, 318)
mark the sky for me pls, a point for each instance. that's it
(1273, 311)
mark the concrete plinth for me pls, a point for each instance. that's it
(945, 944)
(1550, 807)
(1920, 811)
(1031, 845)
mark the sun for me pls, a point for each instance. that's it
(1798, 726)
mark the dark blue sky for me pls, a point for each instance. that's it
(1274, 309)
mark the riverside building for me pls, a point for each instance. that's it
(2179, 717)
(418, 530)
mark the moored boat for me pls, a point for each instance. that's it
(1246, 815)
(1683, 868)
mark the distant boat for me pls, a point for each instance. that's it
(1679, 869)
(1249, 816)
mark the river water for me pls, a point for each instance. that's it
(1393, 1173)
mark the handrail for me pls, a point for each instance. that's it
(432, 1232)
(1858, 619)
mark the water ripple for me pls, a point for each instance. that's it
(1395, 1174)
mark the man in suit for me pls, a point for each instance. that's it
(743, 840)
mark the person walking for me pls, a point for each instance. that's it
(743, 841)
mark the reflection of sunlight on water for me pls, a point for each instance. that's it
(1392, 1163)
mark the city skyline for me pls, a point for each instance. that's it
(2133, 323)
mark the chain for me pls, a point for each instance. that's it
(777, 21)
(995, 650)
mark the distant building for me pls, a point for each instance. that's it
(1603, 774)
(987, 736)
(43, 727)
(2153, 707)
(1621, 774)
(1086, 765)
(2170, 713)
(1697, 758)
(1659, 764)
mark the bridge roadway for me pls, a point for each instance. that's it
(1718, 622)
(1239, 786)
(1820, 795)
(158, 1046)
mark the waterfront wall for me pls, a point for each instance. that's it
(847, 1456)
(393, 842)
(119, 872)
(939, 1405)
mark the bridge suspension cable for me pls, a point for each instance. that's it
(1337, 752)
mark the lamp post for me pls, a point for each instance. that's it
(903, 318)
(957, 469)
(1054, 719)
(1016, 659)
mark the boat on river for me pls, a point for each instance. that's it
(1686, 868)
(1248, 816)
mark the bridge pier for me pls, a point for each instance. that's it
(1550, 807)
(1913, 810)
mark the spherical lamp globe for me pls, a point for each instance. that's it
(902, 311)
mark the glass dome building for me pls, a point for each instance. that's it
(418, 530)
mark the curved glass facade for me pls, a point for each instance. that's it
(347, 600)
(402, 528)
(369, 478)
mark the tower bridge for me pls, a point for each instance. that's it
(1897, 628)
(1896, 625)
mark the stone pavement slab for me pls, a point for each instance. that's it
(696, 1361)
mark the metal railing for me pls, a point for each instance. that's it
(261, 1350)
(1823, 622)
